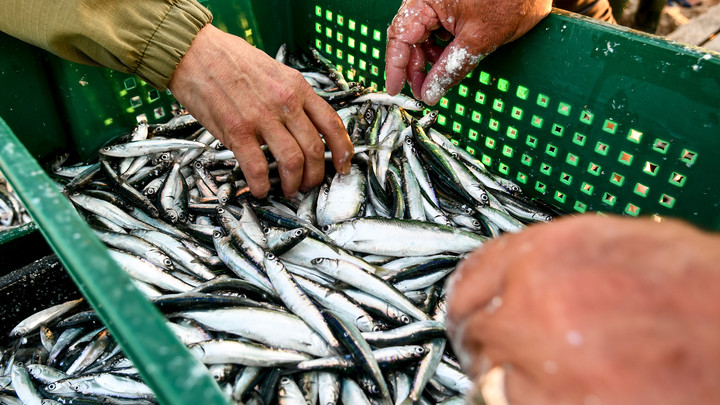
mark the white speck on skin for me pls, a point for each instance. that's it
(286, 109)
(455, 61)
(450, 20)
(574, 338)
(494, 304)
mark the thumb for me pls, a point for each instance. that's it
(456, 61)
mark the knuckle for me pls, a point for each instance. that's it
(294, 161)
(316, 149)
(256, 170)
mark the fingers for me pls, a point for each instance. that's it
(456, 61)
(416, 71)
(331, 127)
(287, 153)
(252, 162)
(412, 25)
(308, 139)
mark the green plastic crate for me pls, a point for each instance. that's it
(585, 116)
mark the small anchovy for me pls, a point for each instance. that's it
(150, 146)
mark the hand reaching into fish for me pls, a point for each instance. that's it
(245, 98)
(593, 310)
(476, 27)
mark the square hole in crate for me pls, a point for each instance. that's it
(579, 139)
(565, 178)
(486, 160)
(526, 160)
(541, 187)
(522, 177)
(135, 102)
(480, 97)
(536, 121)
(351, 25)
(153, 95)
(459, 109)
(507, 151)
(557, 129)
(484, 77)
(531, 141)
(473, 134)
(651, 168)
(159, 112)
(494, 124)
(545, 169)
(516, 113)
(503, 85)
(512, 133)
(490, 142)
(602, 148)
(463, 90)
(634, 135)
(572, 159)
(677, 179)
(503, 168)
(498, 105)
(522, 92)
(129, 83)
(610, 126)
(594, 169)
(551, 150)
(661, 146)
(580, 207)
(625, 158)
(641, 189)
(587, 188)
(609, 199)
(688, 157)
(564, 109)
(667, 201)
(617, 179)
(586, 117)
(632, 209)
(543, 100)
(457, 127)
(560, 196)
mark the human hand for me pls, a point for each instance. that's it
(244, 98)
(478, 27)
(592, 310)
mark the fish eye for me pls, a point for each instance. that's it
(198, 164)
(298, 232)
(284, 380)
(270, 256)
(405, 319)
(106, 148)
(419, 350)
(317, 260)
(220, 210)
(484, 198)
(169, 262)
(376, 328)
(52, 386)
(475, 222)
(217, 234)
(326, 228)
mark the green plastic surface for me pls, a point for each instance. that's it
(166, 366)
(583, 115)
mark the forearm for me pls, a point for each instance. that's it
(146, 37)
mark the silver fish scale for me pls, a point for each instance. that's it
(247, 327)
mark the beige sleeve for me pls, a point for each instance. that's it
(144, 37)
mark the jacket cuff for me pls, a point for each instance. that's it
(170, 41)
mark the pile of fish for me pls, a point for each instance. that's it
(12, 212)
(333, 296)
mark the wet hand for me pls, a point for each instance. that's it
(246, 98)
(476, 27)
(592, 310)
